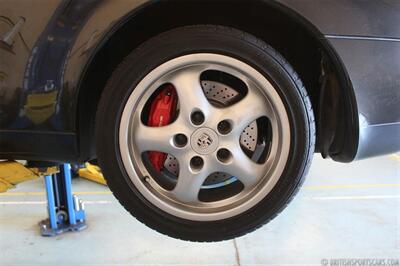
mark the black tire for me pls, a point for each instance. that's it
(226, 41)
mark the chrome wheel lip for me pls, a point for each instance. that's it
(133, 162)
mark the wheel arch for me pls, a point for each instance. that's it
(300, 42)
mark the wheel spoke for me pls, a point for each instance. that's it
(155, 138)
(190, 92)
(244, 112)
(189, 184)
(244, 169)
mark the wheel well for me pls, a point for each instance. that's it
(302, 45)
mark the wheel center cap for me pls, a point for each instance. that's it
(204, 141)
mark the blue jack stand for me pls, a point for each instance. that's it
(66, 211)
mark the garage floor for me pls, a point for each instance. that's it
(342, 211)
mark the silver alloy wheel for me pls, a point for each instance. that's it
(258, 179)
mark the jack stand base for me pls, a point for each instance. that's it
(46, 230)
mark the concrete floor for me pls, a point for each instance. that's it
(342, 211)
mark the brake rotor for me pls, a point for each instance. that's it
(222, 95)
(172, 165)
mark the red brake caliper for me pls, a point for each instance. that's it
(162, 111)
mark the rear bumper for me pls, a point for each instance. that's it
(373, 66)
(378, 140)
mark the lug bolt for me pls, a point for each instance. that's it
(180, 140)
(224, 127)
(196, 163)
(197, 118)
(223, 155)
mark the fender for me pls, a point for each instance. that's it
(95, 42)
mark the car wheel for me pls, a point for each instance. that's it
(204, 133)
